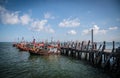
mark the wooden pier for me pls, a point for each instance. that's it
(100, 57)
(109, 60)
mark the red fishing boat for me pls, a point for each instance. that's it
(39, 51)
(22, 47)
(44, 50)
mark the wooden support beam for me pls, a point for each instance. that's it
(92, 38)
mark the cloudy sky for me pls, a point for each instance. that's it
(59, 19)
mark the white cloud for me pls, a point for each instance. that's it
(72, 32)
(25, 19)
(86, 31)
(49, 29)
(9, 18)
(70, 22)
(48, 16)
(38, 25)
(113, 28)
(41, 25)
(96, 30)
(103, 31)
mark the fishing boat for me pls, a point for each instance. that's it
(22, 47)
(40, 48)
(43, 49)
(39, 51)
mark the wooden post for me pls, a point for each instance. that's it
(81, 49)
(104, 57)
(77, 56)
(78, 50)
(92, 38)
(65, 51)
(95, 45)
(87, 50)
(91, 53)
(104, 46)
(72, 52)
(113, 48)
(100, 54)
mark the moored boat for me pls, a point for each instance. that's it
(38, 51)
(40, 48)
(23, 49)
(44, 50)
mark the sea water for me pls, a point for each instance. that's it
(20, 64)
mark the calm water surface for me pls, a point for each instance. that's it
(16, 64)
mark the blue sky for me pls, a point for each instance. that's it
(61, 19)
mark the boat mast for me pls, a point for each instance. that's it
(51, 39)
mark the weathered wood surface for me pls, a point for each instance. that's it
(108, 59)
